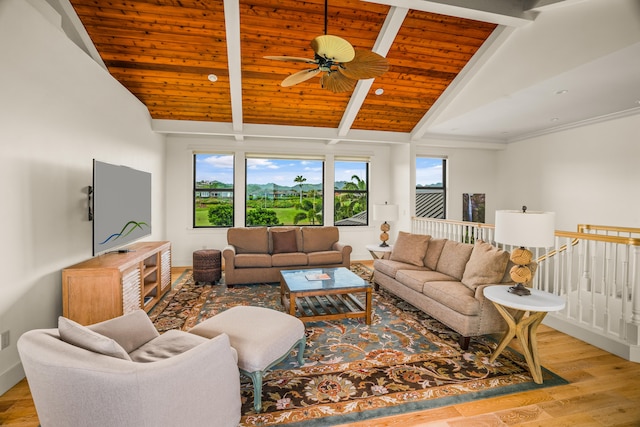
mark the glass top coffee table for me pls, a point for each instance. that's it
(325, 294)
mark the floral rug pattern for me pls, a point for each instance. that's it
(404, 361)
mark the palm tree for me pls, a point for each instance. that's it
(310, 211)
(300, 179)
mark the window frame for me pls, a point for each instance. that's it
(196, 190)
(442, 188)
(291, 158)
(366, 192)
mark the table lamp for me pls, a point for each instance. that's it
(524, 229)
(385, 213)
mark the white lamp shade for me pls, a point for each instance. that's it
(385, 212)
(528, 229)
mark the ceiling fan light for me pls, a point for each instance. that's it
(333, 48)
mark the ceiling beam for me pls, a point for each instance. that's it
(511, 13)
(232, 25)
(387, 35)
(486, 51)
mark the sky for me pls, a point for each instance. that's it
(283, 172)
(428, 170)
(264, 171)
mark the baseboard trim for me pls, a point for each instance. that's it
(11, 377)
(610, 344)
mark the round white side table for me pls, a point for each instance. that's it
(538, 304)
(377, 252)
(374, 250)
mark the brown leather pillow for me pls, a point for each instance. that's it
(284, 241)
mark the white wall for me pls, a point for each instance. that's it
(58, 111)
(391, 175)
(588, 175)
(185, 239)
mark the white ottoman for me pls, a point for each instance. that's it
(262, 337)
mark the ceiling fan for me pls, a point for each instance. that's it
(341, 64)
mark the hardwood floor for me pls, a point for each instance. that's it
(603, 391)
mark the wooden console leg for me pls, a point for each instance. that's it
(464, 342)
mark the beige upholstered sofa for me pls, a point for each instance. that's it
(446, 279)
(121, 372)
(257, 254)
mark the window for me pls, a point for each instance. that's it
(212, 190)
(430, 187)
(284, 192)
(351, 193)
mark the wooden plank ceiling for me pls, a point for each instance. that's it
(163, 51)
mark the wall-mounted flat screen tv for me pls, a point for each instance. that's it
(121, 206)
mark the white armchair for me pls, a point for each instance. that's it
(129, 375)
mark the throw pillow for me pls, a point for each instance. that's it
(284, 241)
(130, 330)
(486, 265)
(249, 240)
(433, 253)
(317, 239)
(75, 334)
(454, 258)
(410, 248)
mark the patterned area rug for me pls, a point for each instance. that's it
(404, 361)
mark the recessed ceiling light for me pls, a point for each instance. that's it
(562, 92)
(555, 119)
(379, 91)
(212, 78)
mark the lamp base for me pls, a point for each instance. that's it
(384, 245)
(520, 290)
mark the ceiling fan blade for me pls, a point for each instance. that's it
(299, 77)
(336, 82)
(365, 65)
(291, 59)
(334, 48)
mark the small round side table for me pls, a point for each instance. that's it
(538, 304)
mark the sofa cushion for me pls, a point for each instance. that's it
(453, 258)
(289, 259)
(415, 279)
(391, 268)
(325, 257)
(284, 241)
(410, 248)
(486, 265)
(252, 260)
(249, 240)
(169, 344)
(80, 336)
(316, 239)
(433, 253)
(454, 295)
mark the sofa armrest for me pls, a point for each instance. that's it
(342, 247)
(229, 254)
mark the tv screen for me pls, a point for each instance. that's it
(121, 206)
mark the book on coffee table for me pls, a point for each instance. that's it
(317, 276)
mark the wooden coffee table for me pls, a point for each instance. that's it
(325, 294)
